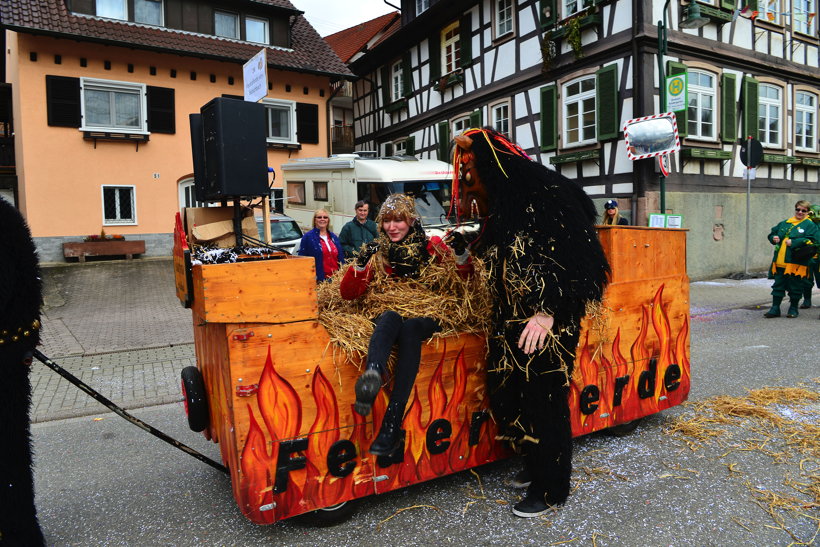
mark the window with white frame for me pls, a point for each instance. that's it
(805, 121)
(702, 100)
(573, 6)
(769, 11)
(768, 114)
(256, 30)
(119, 205)
(226, 24)
(397, 80)
(460, 124)
(113, 106)
(579, 111)
(281, 120)
(400, 147)
(422, 6)
(148, 12)
(450, 48)
(296, 193)
(113, 9)
(500, 117)
(187, 194)
(804, 16)
(503, 17)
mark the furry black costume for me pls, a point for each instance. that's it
(544, 257)
(20, 301)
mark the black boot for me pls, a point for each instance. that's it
(367, 387)
(806, 302)
(389, 438)
(774, 311)
(793, 308)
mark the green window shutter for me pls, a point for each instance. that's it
(444, 141)
(750, 101)
(386, 85)
(549, 118)
(407, 82)
(465, 39)
(388, 149)
(435, 56)
(606, 103)
(728, 108)
(673, 67)
(548, 9)
(727, 4)
(752, 4)
(411, 146)
(475, 118)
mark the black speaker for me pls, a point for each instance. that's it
(198, 153)
(234, 149)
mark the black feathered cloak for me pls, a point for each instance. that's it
(544, 256)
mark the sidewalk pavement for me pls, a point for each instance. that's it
(119, 327)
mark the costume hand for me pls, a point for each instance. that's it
(776, 239)
(367, 253)
(535, 333)
(456, 242)
(788, 242)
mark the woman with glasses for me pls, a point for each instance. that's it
(323, 245)
(789, 265)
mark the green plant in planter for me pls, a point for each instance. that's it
(548, 53)
(574, 36)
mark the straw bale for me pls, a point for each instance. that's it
(459, 305)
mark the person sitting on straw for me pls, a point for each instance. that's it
(402, 251)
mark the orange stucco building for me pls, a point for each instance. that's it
(100, 101)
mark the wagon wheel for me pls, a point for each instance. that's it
(196, 402)
(335, 514)
(621, 430)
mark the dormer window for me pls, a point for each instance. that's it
(256, 30)
(226, 24)
(113, 9)
(148, 12)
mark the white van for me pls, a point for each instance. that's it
(338, 182)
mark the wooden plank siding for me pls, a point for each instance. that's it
(624, 34)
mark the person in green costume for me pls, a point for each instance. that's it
(788, 271)
(814, 263)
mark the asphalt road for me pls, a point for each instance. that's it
(102, 481)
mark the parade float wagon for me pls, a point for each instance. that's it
(277, 396)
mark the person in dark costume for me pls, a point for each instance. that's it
(20, 301)
(403, 249)
(546, 265)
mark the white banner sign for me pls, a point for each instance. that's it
(255, 75)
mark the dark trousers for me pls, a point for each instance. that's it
(392, 329)
(535, 404)
(791, 284)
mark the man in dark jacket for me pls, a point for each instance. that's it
(358, 231)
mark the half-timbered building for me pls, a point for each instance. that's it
(562, 76)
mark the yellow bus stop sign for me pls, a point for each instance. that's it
(676, 92)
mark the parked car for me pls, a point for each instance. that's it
(284, 232)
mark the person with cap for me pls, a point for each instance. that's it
(402, 250)
(359, 231)
(611, 215)
(794, 241)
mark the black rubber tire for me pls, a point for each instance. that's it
(332, 515)
(621, 430)
(196, 400)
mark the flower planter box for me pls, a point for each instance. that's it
(83, 249)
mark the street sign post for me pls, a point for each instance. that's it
(751, 153)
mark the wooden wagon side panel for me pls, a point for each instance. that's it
(302, 447)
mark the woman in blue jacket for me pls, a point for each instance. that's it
(323, 245)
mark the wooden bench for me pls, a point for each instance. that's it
(80, 250)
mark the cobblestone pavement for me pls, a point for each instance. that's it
(118, 327)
